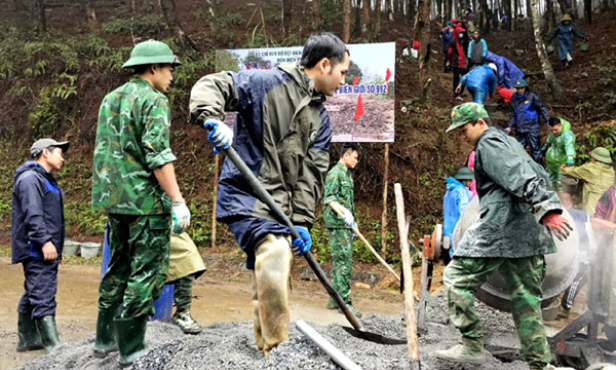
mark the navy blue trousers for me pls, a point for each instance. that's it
(531, 139)
(41, 285)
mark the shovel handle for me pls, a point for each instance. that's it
(266, 198)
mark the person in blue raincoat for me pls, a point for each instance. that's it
(525, 111)
(455, 201)
(565, 32)
(481, 81)
(508, 73)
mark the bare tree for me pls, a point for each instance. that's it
(42, 18)
(346, 21)
(171, 16)
(366, 9)
(90, 15)
(548, 71)
(565, 7)
(422, 25)
(377, 19)
(588, 11)
(549, 14)
(316, 14)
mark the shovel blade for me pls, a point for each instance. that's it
(373, 337)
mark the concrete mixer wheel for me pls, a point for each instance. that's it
(570, 361)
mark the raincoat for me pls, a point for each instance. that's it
(565, 39)
(480, 81)
(508, 72)
(513, 198)
(559, 149)
(606, 207)
(597, 177)
(455, 201)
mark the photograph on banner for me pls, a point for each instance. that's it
(360, 111)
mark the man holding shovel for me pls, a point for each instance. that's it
(517, 217)
(282, 133)
(338, 199)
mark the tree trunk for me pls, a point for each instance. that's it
(514, 18)
(90, 15)
(411, 11)
(316, 14)
(346, 21)
(286, 17)
(448, 5)
(549, 14)
(377, 19)
(564, 7)
(548, 72)
(508, 13)
(42, 19)
(422, 25)
(366, 9)
(358, 25)
(528, 13)
(485, 17)
(171, 16)
(390, 11)
(588, 11)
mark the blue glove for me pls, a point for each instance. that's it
(220, 135)
(302, 246)
(570, 162)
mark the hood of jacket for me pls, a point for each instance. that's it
(301, 78)
(453, 183)
(32, 166)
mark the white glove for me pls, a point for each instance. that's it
(349, 220)
(181, 216)
(220, 135)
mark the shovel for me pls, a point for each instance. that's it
(358, 330)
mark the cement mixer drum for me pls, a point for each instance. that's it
(561, 267)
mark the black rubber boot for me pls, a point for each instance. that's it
(29, 337)
(131, 339)
(49, 334)
(106, 337)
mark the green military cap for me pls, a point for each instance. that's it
(464, 173)
(520, 83)
(151, 52)
(602, 155)
(465, 113)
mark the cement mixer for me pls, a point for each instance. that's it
(561, 267)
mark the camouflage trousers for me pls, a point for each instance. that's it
(524, 276)
(182, 293)
(139, 260)
(341, 249)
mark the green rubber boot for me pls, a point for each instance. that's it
(29, 337)
(49, 334)
(106, 337)
(186, 322)
(467, 351)
(131, 339)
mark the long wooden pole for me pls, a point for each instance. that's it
(409, 299)
(216, 161)
(384, 213)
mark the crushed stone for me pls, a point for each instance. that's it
(231, 346)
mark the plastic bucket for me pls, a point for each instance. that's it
(70, 248)
(163, 306)
(551, 49)
(90, 250)
(584, 46)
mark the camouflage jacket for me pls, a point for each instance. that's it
(132, 139)
(338, 187)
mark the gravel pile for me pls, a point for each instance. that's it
(231, 346)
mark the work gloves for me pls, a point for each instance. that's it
(220, 135)
(557, 225)
(570, 161)
(349, 220)
(181, 216)
(302, 246)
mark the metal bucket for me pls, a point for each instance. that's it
(561, 267)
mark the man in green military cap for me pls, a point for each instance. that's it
(510, 236)
(134, 182)
(339, 220)
(597, 175)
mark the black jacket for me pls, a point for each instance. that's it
(37, 215)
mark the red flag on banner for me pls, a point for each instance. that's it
(356, 80)
(387, 74)
(359, 111)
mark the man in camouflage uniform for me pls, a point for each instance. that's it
(339, 220)
(510, 236)
(134, 182)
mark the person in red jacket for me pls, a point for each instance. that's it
(456, 58)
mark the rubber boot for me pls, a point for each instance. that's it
(331, 304)
(186, 322)
(49, 334)
(131, 338)
(106, 337)
(29, 337)
(256, 319)
(467, 351)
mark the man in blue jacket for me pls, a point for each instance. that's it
(37, 237)
(282, 132)
(525, 110)
(481, 81)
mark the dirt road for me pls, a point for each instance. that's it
(219, 297)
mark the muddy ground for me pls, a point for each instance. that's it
(222, 305)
